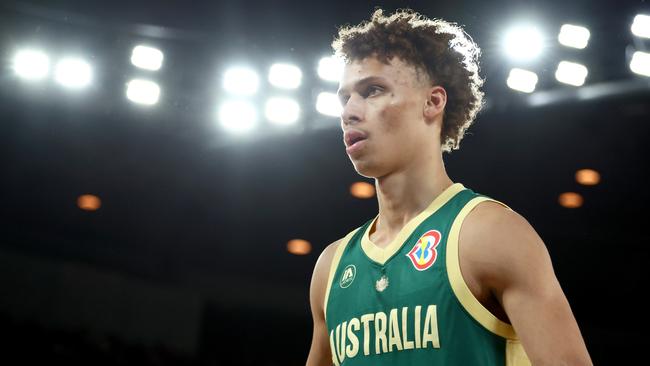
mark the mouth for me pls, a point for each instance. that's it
(353, 137)
(354, 140)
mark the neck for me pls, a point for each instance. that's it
(403, 194)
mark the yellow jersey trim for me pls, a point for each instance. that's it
(381, 255)
(515, 354)
(458, 284)
(334, 265)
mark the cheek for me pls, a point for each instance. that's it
(396, 117)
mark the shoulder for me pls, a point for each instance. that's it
(499, 244)
(495, 224)
(324, 261)
(321, 275)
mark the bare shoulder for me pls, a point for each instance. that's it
(320, 353)
(326, 256)
(321, 275)
(498, 243)
(324, 262)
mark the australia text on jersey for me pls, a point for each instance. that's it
(391, 334)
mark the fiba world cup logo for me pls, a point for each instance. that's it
(424, 253)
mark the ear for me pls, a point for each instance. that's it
(435, 103)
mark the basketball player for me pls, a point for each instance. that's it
(443, 275)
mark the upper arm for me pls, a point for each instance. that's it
(319, 353)
(508, 257)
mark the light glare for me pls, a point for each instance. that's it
(587, 177)
(330, 68)
(241, 81)
(574, 36)
(523, 43)
(363, 190)
(570, 200)
(328, 104)
(147, 58)
(640, 63)
(238, 116)
(571, 73)
(143, 91)
(31, 64)
(282, 111)
(522, 80)
(285, 76)
(299, 247)
(89, 202)
(73, 73)
(641, 26)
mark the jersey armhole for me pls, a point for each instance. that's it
(462, 292)
(334, 265)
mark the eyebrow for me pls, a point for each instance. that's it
(366, 80)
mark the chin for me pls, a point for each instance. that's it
(367, 169)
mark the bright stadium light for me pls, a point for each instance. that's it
(574, 36)
(522, 80)
(285, 76)
(641, 26)
(571, 73)
(241, 81)
(31, 64)
(143, 91)
(238, 116)
(640, 63)
(282, 111)
(523, 43)
(329, 104)
(147, 58)
(73, 73)
(330, 68)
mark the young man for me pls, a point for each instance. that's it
(443, 275)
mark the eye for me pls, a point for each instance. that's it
(373, 90)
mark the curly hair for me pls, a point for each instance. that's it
(443, 50)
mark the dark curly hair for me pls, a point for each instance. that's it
(441, 49)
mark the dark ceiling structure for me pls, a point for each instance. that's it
(199, 219)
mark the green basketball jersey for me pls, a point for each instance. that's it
(407, 304)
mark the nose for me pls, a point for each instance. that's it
(352, 110)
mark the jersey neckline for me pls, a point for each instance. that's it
(382, 255)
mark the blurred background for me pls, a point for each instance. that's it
(170, 171)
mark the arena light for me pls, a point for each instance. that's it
(31, 64)
(571, 73)
(587, 177)
(298, 247)
(282, 111)
(522, 80)
(330, 68)
(74, 73)
(329, 104)
(570, 200)
(147, 58)
(523, 43)
(89, 202)
(238, 116)
(241, 81)
(143, 91)
(640, 63)
(362, 190)
(574, 36)
(285, 76)
(641, 26)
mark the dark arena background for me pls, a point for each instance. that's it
(166, 190)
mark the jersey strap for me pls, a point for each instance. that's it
(515, 355)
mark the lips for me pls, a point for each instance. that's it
(351, 137)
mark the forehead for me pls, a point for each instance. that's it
(396, 71)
